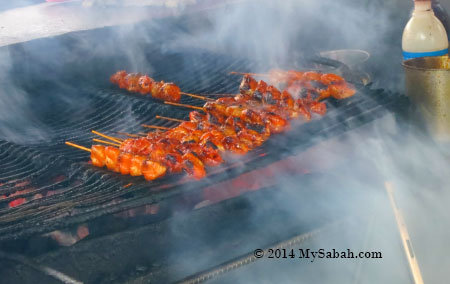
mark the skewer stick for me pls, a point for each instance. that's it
(78, 146)
(197, 96)
(106, 142)
(252, 74)
(406, 240)
(128, 185)
(184, 105)
(118, 140)
(170, 119)
(155, 126)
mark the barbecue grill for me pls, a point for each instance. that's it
(47, 187)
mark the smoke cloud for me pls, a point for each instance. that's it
(279, 34)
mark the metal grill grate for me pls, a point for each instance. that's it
(44, 185)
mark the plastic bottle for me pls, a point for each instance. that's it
(424, 35)
(442, 15)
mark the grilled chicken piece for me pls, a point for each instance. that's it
(251, 138)
(233, 144)
(248, 85)
(277, 123)
(170, 92)
(139, 146)
(196, 117)
(132, 82)
(152, 170)
(145, 85)
(118, 77)
(136, 165)
(342, 91)
(172, 160)
(193, 166)
(207, 153)
(318, 107)
(98, 155)
(212, 139)
(112, 158)
(125, 163)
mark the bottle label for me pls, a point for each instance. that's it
(410, 55)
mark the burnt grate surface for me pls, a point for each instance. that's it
(45, 185)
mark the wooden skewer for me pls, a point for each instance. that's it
(128, 185)
(252, 74)
(118, 140)
(106, 142)
(197, 96)
(406, 240)
(184, 105)
(171, 119)
(78, 146)
(155, 126)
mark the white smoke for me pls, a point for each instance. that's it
(271, 32)
(17, 117)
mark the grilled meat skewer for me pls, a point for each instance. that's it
(235, 124)
(126, 163)
(138, 83)
(325, 85)
(137, 165)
